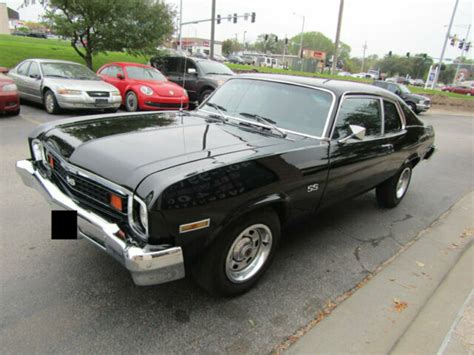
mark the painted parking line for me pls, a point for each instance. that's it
(31, 120)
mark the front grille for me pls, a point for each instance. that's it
(98, 93)
(86, 190)
(164, 105)
(427, 102)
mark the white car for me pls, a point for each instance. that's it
(344, 73)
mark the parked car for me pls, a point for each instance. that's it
(344, 73)
(235, 59)
(419, 82)
(459, 89)
(143, 87)
(219, 58)
(200, 55)
(9, 98)
(417, 103)
(207, 192)
(59, 84)
(362, 75)
(249, 60)
(200, 77)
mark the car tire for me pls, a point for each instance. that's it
(131, 102)
(50, 103)
(391, 192)
(240, 255)
(204, 95)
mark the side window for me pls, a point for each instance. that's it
(105, 71)
(393, 88)
(34, 70)
(410, 118)
(362, 112)
(23, 68)
(392, 118)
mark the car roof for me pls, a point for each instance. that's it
(338, 87)
(129, 64)
(42, 60)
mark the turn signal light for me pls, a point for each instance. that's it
(116, 202)
(184, 228)
(51, 161)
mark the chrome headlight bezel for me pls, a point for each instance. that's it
(138, 216)
(146, 90)
(37, 149)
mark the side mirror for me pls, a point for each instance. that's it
(35, 76)
(192, 71)
(357, 132)
(398, 92)
(120, 76)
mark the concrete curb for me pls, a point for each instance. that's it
(377, 315)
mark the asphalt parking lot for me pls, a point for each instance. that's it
(69, 297)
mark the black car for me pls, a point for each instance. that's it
(206, 192)
(200, 77)
(417, 103)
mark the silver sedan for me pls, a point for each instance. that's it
(60, 84)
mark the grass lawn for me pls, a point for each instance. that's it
(14, 49)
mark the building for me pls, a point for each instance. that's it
(9, 18)
(198, 45)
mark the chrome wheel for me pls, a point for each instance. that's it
(403, 182)
(131, 102)
(248, 253)
(49, 103)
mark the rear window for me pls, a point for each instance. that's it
(410, 117)
(392, 118)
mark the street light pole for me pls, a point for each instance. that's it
(444, 46)
(301, 40)
(180, 24)
(466, 39)
(338, 33)
(244, 39)
(213, 25)
(363, 57)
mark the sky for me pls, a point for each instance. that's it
(400, 26)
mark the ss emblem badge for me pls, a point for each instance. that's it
(313, 187)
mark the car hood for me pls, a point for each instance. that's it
(84, 85)
(162, 88)
(417, 97)
(128, 147)
(220, 79)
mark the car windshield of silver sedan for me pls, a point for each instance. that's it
(68, 71)
(289, 107)
(141, 73)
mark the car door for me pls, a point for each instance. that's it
(191, 78)
(357, 165)
(19, 76)
(33, 83)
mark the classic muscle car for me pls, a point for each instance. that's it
(206, 192)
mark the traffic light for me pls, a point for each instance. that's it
(389, 53)
(468, 45)
(454, 40)
(461, 44)
(252, 17)
(218, 19)
(276, 38)
(286, 41)
(408, 54)
(266, 37)
(235, 18)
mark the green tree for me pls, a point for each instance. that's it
(271, 44)
(134, 26)
(230, 46)
(313, 40)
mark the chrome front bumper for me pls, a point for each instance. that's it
(148, 265)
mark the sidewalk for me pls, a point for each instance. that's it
(420, 303)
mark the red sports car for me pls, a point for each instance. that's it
(9, 98)
(143, 87)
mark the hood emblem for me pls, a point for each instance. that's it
(171, 92)
(70, 181)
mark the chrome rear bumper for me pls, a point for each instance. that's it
(149, 265)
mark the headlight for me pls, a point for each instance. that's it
(146, 90)
(37, 148)
(220, 82)
(143, 216)
(421, 101)
(10, 87)
(116, 93)
(69, 92)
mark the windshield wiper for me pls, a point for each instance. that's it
(267, 121)
(219, 109)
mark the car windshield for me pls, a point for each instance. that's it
(291, 107)
(143, 73)
(404, 89)
(68, 71)
(210, 67)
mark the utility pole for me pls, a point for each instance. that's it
(301, 40)
(444, 46)
(244, 40)
(466, 40)
(180, 25)
(363, 57)
(213, 25)
(338, 33)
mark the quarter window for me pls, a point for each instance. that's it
(392, 118)
(23, 68)
(362, 112)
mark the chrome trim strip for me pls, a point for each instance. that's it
(331, 108)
